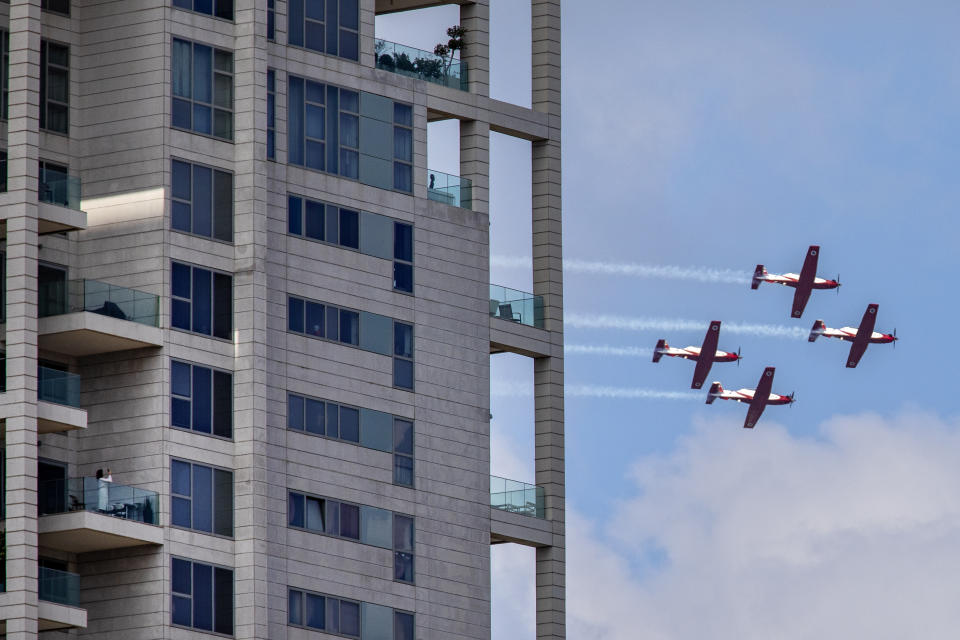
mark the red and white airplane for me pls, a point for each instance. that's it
(758, 398)
(861, 337)
(694, 353)
(803, 283)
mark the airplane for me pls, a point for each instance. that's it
(693, 353)
(803, 283)
(861, 337)
(758, 398)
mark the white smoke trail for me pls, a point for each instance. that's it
(630, 393)
(518, 389)
(671, 272)
(606, 350)
(584, 321)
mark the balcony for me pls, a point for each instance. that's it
(516, 497)
(59, 201)
(516, 306)
(58, 395)
(448, 189)
(417, 63)
(59, 596)
(88, 514)
(58, 387)
(86, 317)
(518, 514)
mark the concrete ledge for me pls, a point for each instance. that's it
(516, 527)
(390, 6)
(515, 337)
(55, 218)
(56, 418)
(51, 615)
(85, 333)
(83, 531)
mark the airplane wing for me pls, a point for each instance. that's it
(760, 398)
(805, 281)
(864, 332)
(707, 352)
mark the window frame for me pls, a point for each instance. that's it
(191, 101)
(272, 113)
(190, 300)
(397, 453)
(297, 33)
(213, 598)
(44, 6)
(174, 200)
(397, 261)
(213, 9)
(4, 74)
(44, 95)
(213, 498)
(326, 323)
(326, 597)
(191, 399)
(402, 358)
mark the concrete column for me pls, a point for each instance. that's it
(548, 282)
(20, 408)
(250, 321)
(475, 18)
(475, 161)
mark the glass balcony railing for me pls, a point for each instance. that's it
(59, 387)
(516, 497)
(57, 586)
(448, 189)
(98, 496)
(98, 297)
(516, 306)
(417, 63)
(60, 189)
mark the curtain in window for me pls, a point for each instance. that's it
(181, 68)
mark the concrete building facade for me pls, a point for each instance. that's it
(248, 331)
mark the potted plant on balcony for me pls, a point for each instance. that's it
(446, 52)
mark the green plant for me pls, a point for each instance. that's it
(446, 52)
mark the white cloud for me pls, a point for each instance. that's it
(760, 534)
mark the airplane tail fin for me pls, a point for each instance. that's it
(715, 390)
(758, 273)
(817, 330)
(658, 351)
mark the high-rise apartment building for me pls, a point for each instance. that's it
(248, 331)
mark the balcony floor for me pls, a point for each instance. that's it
(85, 333)
(83, 531)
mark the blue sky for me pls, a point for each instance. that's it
(722, 135)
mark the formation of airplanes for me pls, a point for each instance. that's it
(762, 395)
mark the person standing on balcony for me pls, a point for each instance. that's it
(103, 489)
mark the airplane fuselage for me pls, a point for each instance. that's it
(791, 280)
(693, 353)
(746, 395)
(850, 333)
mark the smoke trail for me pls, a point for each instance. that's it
(671, 272)
(630, 393)
(584, 321)
(518, 389)
(606, 350)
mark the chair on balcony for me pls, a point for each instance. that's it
(507, 313)
(111, 309)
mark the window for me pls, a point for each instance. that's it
(402, 146)
(202, 79)
(323, 221)
(202, 596)
(403, 452)
(54, 86)
(202, 200)
(323, 321)
(201, 399)
(323, 418)
(4, 73)
(334, 518)
(271, 20)
(327, 26)
(324, 613)
(201, 498)
(271, 113)
(56, 6)
(3, 170)
(54, 185)
(403, 257)
(403, 548)
(324, 127)
(403, 355)
(349, 134)
(202, 301)
(369, 525)
(217, 8)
